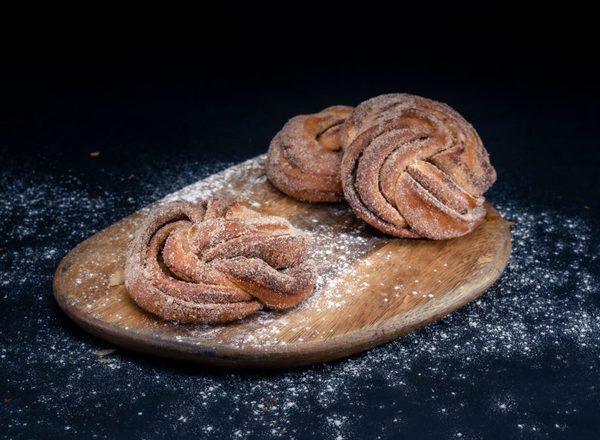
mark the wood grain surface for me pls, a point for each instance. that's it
(372, 288)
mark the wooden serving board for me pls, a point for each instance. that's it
(371, 289)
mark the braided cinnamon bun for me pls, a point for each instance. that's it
(216, 263)
(304, 157)
(413, 167)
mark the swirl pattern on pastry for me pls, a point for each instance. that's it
(413, 167)
(304, 157)
(216, 263)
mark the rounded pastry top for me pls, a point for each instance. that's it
(413, 167)
(304, 157)
(216, 263)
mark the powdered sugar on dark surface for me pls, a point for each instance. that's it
(522, 361)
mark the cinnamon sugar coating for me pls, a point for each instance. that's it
(413, 167)
(216, 263)
(304, 157)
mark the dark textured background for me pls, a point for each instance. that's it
(166, 100)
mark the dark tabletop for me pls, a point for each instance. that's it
(87, 137)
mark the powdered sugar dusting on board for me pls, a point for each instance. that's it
(531, 341)
(220, 184)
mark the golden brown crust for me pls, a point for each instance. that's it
(304, 157)
(216, 263)
(413, 167)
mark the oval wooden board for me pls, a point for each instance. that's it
(372, 288)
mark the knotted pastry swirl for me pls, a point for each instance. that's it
(304, 157)
(413, 167)
(216, 263)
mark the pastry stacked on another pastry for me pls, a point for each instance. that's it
(409, 166)
(216, 263)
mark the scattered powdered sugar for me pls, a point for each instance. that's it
(530, 342)
(220, 184)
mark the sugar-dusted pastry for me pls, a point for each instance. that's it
(216, 263)
(304, 157)
(413, 167)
